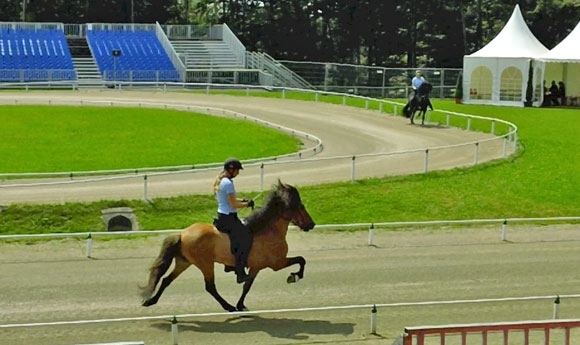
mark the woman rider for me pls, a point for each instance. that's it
(227, 216)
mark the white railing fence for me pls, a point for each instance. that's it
(503, 143)
(372, 308)
(502, 225)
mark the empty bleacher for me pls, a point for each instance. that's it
(142, 57)
(207, 54)
(34, 55)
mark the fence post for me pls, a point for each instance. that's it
(174, 331)
(371, 234)
(492, 127)
(262, 177)
(504, 230)
(556, 307)
(352, 169)
(145, 188)
(505, 142)
(374, 319)
(426, 160)
(89, 245)
(476, 154)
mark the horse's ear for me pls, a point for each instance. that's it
(280, 185)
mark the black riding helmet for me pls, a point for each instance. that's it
(232, 163)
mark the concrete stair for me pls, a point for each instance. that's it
(206, 54)
(87, 71)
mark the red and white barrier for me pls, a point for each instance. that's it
(418, 335)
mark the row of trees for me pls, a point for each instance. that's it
(406, 33)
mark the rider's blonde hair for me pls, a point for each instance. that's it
(216, 183)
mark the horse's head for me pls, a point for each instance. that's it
(294, 209)
(425, 88)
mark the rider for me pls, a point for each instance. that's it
(227, 216)
(416, 83)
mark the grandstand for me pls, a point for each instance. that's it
(34, 54)
(135, 55)
(98, 54)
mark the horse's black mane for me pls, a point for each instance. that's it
(425, 88)
(276, 202)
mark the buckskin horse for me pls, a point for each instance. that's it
(203, 245)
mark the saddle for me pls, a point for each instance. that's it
(222, 227)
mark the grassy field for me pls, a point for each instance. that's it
(540, 181)
(94, 138)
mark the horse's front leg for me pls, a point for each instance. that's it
(247, 286)
(208, 276)
(294, 276)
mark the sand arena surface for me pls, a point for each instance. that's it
(345, 132)
(54, 281)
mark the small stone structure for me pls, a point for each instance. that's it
(120, 219)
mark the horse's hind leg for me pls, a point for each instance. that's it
(180, 265)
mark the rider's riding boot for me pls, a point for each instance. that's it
(241, 275)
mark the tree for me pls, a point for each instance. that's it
(10, 10)
(459, 89)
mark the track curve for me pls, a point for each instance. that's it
(345, 131)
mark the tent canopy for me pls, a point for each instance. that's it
(567, 50)
(515, 40)
(498, 73)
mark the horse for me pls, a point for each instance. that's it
(203, 245)
(420, 102)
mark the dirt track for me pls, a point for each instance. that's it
(344, 131)
(54, 281)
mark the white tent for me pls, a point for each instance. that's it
(562, 63)
(498, 73)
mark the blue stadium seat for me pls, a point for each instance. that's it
(35, 55)
(142, 56)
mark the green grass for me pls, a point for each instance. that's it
(541, 181)
(64, 139)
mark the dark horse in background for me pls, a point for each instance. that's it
(203, 245)
(419, 103)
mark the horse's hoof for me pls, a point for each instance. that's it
(147, 303)
(242, 308)
(292, 278)
(230, 308)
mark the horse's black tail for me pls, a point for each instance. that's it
(169, 249)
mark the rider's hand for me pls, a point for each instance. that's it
(251, 204)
